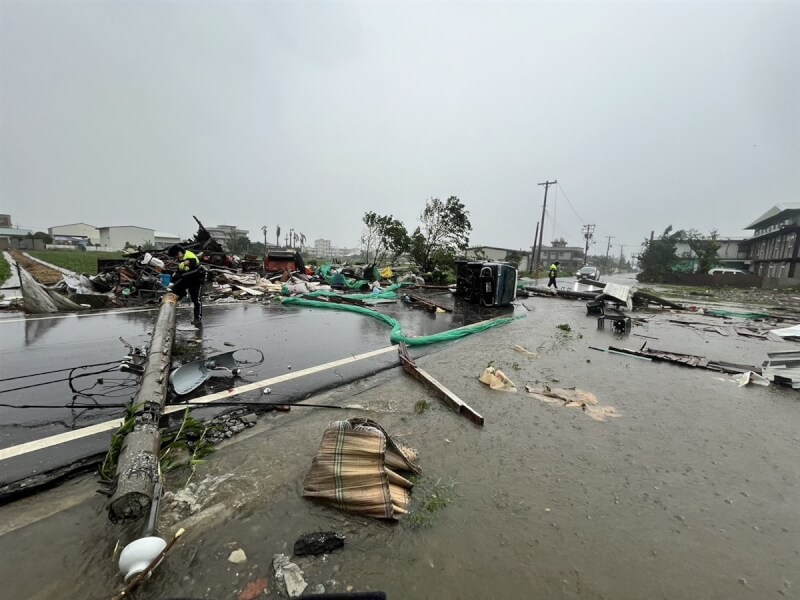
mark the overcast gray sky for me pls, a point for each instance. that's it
(308, 114)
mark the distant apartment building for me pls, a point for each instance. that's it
(5, 220)
(322, 249)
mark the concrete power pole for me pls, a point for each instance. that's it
(137, 466)
(546, 185)
(588, 234)
(608, 249)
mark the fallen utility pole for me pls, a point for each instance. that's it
(137, 466)
(442, 392)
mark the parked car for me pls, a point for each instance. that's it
(721, 271)
(588, 272)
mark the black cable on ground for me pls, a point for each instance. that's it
(60, 370)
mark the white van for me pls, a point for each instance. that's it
(721, 271)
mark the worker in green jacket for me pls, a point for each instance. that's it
(553, 274)
(190, 277)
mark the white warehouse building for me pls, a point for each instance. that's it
(115, 238)
(76, 230)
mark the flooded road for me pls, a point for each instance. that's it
(291, 338)
(691, 493)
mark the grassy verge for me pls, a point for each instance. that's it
(5, 269)
(74, 260)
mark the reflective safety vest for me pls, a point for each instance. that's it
(553, 269)
(188, 255)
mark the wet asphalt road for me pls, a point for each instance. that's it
(291, 339)
(690, 493)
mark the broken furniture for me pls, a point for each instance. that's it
(595, 308)
(619, 323)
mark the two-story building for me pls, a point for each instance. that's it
(773, 250)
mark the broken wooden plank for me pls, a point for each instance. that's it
(439, 390)
(429, 304)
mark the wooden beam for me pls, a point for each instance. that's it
(439, 390)
(429, 304)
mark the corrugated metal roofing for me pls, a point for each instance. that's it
(14, 232)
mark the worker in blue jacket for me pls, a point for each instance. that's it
(189, 276)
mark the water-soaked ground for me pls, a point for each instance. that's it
(291, 339)
(691, 493)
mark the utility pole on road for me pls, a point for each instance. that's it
(546, 185)
(588, 234)
(608, 249)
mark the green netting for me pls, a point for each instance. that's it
(354, 284)
(397, 336)
(388, 293)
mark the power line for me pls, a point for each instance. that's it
(570, 203)
(555, 225)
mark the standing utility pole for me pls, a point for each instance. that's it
(608, 249)
(546, 185)
(621, 246)
(588, 234)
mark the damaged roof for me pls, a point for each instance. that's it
(774, 212)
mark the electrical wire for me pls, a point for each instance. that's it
(69, 378)
(112, 362)
(559, 186)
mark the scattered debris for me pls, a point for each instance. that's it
(744, 379)
(564, 327)
(525, 351)
(237, 556)
(573, 398)
(192, 375)
(619, 323)
(497, 380)
(289, 574)
(687, 360)
(788, 333)
(318, 542)
(254, 589)
(783, 368)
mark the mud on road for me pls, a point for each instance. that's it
(691, 493)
